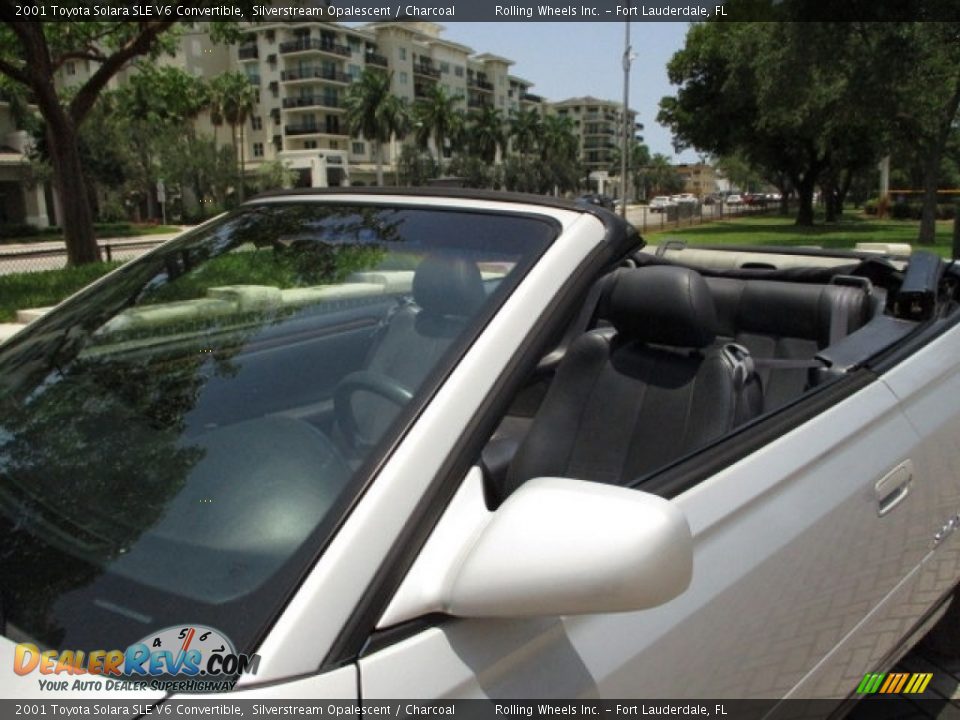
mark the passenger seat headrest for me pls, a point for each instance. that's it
(662, 305)
(448, 285)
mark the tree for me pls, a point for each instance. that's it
(732, 98)
(438, 118)
(415, 166)
(275, 174)
(235, 97)
(559, 147)
(486, 135)
(661, 177)
(525, 130)
(158, 106)
(375, 112)
(30, 54)
(924, 57)
(637, 161)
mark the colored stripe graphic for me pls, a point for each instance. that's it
(894, 683)
(870, 683)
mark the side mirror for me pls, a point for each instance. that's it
(555, 547)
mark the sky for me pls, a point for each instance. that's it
(566, 59)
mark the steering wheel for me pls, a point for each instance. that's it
(364, 381)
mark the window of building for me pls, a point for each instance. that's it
(403, 78)
(358, 148)
(445, 68)
(354, 44)
(258, 149)
(458, 70)
(70, 68)
(402, 52)
(309, 144)
(256, 122)
(353, 71)
(500, 100)
(334, 145)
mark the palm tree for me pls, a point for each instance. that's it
(559, 147)
(558, 139)
(638, 159)
(438, 119)
(486, 134)
(660, 174)
(376, 113)
(236, 98)
(525, 129)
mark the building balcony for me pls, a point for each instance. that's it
(249, 52)
(313, 129)
(375, 59)
(600, 131)
(530, 97)
(314, 45)
(478, 102)
(426, 70)
(480, 84)
(315, 73)
(311, 101)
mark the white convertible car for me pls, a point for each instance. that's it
(389, 444)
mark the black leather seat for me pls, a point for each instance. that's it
(625, 403)
(786, 321)
(447, 292)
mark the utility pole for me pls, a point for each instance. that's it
(626, 122)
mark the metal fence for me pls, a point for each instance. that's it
(54, 258)
(646, 219)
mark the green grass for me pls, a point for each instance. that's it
(39, 289)
(773, 230)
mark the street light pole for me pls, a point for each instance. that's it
(626, 122)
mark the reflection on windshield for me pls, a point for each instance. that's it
(175, 442)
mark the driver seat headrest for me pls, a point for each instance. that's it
(662, 305)
(448, 285)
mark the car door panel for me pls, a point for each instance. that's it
(790, 556)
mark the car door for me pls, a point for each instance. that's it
(793, 550)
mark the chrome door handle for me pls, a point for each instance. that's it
(894, 487)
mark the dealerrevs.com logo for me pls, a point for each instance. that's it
(191, 658)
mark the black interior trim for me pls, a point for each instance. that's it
(697, 467)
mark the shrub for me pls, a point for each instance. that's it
(14, 230)
(902, 211)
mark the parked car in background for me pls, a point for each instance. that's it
(441, 444)
(660, 203)
(596, 199)
(688, 199)
(734, 199)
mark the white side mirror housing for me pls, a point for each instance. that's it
(555, 547)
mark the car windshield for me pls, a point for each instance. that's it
(179, 441)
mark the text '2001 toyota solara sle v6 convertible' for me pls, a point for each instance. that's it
(389, 444)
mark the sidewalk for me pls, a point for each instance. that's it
(60, 245)
(24, 316)
(52, 254)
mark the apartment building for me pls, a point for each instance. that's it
(302, 70)
(699, 179)
(599, 127)
(23, 199)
